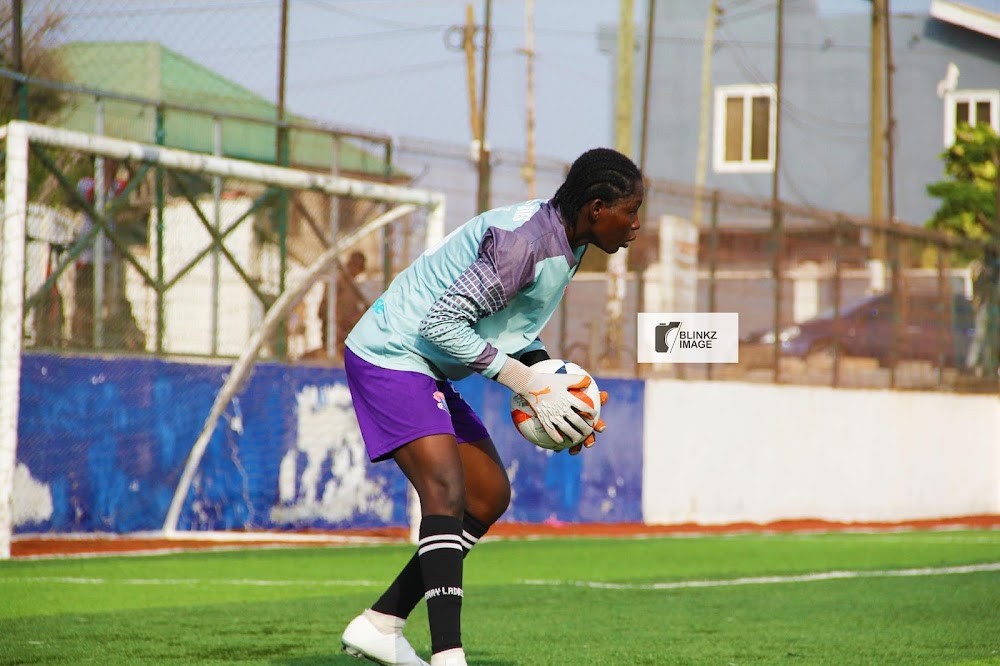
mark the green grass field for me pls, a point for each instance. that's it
(886, 598)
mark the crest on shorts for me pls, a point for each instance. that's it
(442, 403)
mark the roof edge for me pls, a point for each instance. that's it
(966, 16)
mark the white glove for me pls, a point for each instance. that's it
(549, 395)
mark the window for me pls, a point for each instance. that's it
(970, 106)
(744, 129)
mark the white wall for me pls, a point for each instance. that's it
(188, 304)
(720, 452)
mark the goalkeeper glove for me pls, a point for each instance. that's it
(598, 427)
(551, 397)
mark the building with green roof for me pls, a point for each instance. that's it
(138, 76)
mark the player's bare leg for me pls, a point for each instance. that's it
(487, 495)
(487, 488)
(434, 466)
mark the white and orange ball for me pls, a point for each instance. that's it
(524, 417)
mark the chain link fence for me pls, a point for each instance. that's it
(816, 305)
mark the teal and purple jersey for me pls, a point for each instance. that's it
(483, 294)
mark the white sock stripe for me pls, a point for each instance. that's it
(435, 546)
(435, 538)
(469, 538)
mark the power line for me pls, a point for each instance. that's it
(328, 6)
(745, 64)
(394, 72)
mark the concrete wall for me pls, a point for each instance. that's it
(728, 452)
(101, 445)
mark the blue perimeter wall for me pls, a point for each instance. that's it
(103, 442)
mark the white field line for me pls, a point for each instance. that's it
(207, 536)
(180, 550)
(904, 535)
(769, 580)
(247, 582)
(721, 582)
(985, 537)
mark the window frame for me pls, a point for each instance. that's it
(747, 92)
(953, 97)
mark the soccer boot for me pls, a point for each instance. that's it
(379, 638)
(452, 657)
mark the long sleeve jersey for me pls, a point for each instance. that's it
(483, 294)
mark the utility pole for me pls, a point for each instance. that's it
(282, 158)
(469, 46)
(282, 64)
(16, 44)
(646, 76)
(644, 151)
(890, 126)
(528, 170)
(706, 101)
(618, 262)
(877, 257)
(777, 226)
(483, 193)
(625, 72)
(891, 243)
(477, 107)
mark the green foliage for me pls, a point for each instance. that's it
(969, 193)
(38, 60)
(970, 210)
(555, 602)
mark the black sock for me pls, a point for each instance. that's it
(404, 593)
(408, 588)
(472, 531)
(440, 552)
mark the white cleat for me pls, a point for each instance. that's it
(452, 657)
(379, 638)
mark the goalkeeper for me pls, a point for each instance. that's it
(475, 303)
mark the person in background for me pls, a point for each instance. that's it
(350, 303)
(476, 303)
(82, 325)
(981, 358)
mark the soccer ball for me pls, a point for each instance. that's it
(524, 417)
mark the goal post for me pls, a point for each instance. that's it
(388, 203)
(12, 242)
(241, 369)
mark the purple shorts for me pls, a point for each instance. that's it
(395, 407)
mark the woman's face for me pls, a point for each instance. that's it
(615, 225)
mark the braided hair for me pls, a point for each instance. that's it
(600, 173)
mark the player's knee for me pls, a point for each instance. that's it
(443, 494)
(488, 504)
(502, 501)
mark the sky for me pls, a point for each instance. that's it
(386, 65)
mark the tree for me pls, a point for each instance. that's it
(38, 59)
(970, 209)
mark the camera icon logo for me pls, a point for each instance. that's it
(662, 336)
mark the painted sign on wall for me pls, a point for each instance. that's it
(103, 442)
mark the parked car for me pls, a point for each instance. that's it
(866, 329)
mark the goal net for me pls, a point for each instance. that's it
(146, 329)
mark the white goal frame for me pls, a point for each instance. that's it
(18, 135)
